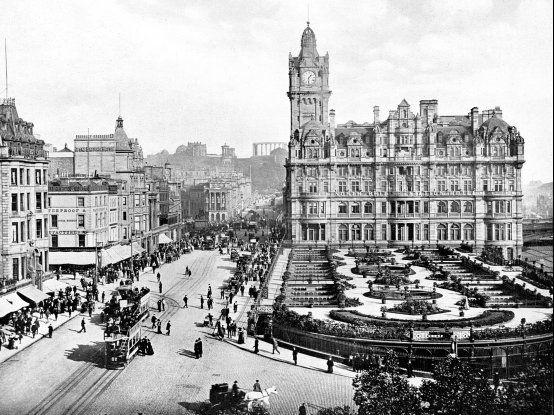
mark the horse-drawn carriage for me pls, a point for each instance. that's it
(222, 397)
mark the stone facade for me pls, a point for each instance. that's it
(23, 198)
(419, 179)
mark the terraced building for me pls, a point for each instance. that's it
(414, 177)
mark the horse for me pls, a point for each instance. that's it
(259, 398)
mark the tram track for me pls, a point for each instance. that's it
(107, 377)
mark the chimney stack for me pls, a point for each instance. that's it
(474, 119)
(332, 119)
(376, 115)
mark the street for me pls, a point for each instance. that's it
(66, 374)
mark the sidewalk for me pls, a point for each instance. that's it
(42, 332)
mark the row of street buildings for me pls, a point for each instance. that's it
(97, 203)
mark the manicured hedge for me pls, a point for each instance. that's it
(488, 318)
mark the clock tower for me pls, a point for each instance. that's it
(308, 85)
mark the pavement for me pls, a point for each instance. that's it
(66, 374)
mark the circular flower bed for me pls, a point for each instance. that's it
(414, 294)
(416, 307)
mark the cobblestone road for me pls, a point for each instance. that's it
(66, 375)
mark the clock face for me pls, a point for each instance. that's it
(308, 78)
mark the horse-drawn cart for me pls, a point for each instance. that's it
(221, 397)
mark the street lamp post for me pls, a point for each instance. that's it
(98, 261)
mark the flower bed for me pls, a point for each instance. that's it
(540, 327)
(475, 298)
(488, 318)
(401, 295)
(416, 307)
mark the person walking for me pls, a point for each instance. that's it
(302, 410)
(168, 327)
(222, 296)
(103, 296)
(330, 365)
(160, 287)
(201, 301)
(235, 307)
(159, 323)
(275, 346)
(295, 355)
(163, 304)
(242, 290)
(159, 277)
(83, 328)
(256, 345)
(186, 301)
(153, 320)
(50, 330)
(160, 305)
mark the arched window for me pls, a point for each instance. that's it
(343, 233)
(455, 207)
(468, 232)
(342, 207)
(442, 208)
(468, 207)
(356, 233)
(369, 233)
(455, 232)
(368, 207)
(441, 232)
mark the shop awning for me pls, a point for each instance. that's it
(10, 303)
(72, 258)
(123, 251)
(32, 293)
(137, 249)
(164, 239)
(53, 285)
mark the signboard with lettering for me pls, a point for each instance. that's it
(67, 210)
(55, 232)
(265, 309)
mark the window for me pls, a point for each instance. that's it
(14, 177)
(511, 186)
(39, 201)
(28, 176)
(22, 202)
(14, 202)
(468, 232)
(81, 221)
(21, 177)
(54, 241)
(124, 215)
(356, 233)
(498, 206)
(342, 208)
(369, 233)
(383, 207)
(426, 186)
(441, 232)
(326, 187)
(342, 186)
(498, 185)
(81, 241)
(22, 231)
(54, 221)
(426, 232)
(38, 177)
(322, 207)
(81, 202)
(125, 201)
(468, 186)
(343, 171)
(343, 233)
(508, 206)
(508, 231)
(455, 186)
(15, 232)
(355, 208)
(441, 186)
(15, 268)
(368, 186)
(355, 185)
(312, 208)
(455, 207)
(442, 208)
(384, 232)
(455, 232)
(485, 185)
(468, 207)
(39, 228)
(312, 187)
(368, 207)
(425, 207)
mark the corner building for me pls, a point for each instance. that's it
(414, 178)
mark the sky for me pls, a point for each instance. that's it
(217, 71)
